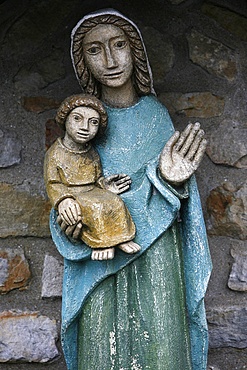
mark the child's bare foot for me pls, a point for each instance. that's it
(129, 247)
(103, 254)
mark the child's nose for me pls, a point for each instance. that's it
(84, 124)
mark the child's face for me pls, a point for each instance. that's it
(82, 124)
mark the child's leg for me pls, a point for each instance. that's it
(103, 254)
(129, 247)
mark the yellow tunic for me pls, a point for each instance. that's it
(70, 174)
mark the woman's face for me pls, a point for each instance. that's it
(108, 56)
(82, 125)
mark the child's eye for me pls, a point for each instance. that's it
(76, 118)
(94, 122)
(120, 44)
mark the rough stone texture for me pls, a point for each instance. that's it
(28, 79)
(160, 51)
(176, 2)
(227, 208)
(14, 269)
(231, 21)
(227, 327)
(52, 132)
(203, 105)
(38, 104)
(41, 74)
(33, 337)
(212, 55)
(10, 148)
(52, 278)
(24, 213)
(238, 276)
(227, 143)
(36, 24)
(51, 67)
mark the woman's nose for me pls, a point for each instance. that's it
(110, 60)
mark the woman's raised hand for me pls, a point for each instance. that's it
(182, 154)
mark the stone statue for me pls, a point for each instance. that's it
(143, 310)
(76, 187)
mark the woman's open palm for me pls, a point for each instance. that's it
(182, 154)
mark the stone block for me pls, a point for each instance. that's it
(52, 278)
(212, 56)
(227, 143)
(39, 104)
(25, 214)
(176, 2)
(238, 276)
(33, 23)
(227, 209)
(227, 327)
(160, 51)
(14, 269)
(52, 132)
(40, 74)
(27, 337)
(231, 21)
(201, 105)
(10, 148)
(28, 79)
(51, 68)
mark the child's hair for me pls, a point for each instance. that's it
(81, 100)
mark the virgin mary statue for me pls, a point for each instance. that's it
(145, 310)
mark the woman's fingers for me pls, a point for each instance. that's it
(77, 231)
(187, 138)
(200, 152)
(198, 139)
(71, 230)
(183, 136)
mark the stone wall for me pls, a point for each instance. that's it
(198, 52)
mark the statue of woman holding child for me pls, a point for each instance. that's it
(138, 306)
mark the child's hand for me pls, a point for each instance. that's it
(117, 183)
(69, 211)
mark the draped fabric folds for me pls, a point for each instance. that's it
(175, 253)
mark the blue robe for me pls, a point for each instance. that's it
(132, 144)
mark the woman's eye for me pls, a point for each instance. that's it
(93, 50)
(120, 44)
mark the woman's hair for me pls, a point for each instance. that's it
(81, 100)
(141, 73)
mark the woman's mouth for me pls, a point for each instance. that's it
(113, 74)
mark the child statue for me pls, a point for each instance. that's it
(76, 187)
